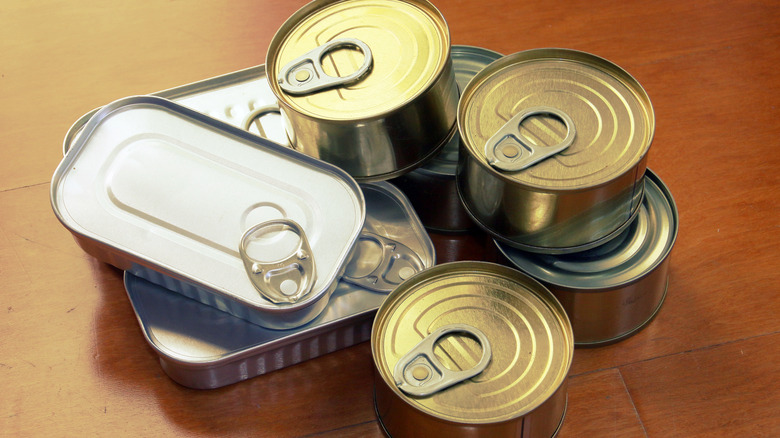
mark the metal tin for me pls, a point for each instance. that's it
(242, 98)
(508, 317)
(392, 116)
(569, 201)
(163, 191)
(431, 187)
(202, 347)
(612, 291)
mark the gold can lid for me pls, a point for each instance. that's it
(514, 320)
(566, 96)
(407, 42)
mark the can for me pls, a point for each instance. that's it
(234, 220)
(367, 85)
(471, 349)
(612, 291)
(201, 347)
(554, 149)
(431, 188)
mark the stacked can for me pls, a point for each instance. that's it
(286, 271)
(372, 87)
(553, 163)
(614, 290)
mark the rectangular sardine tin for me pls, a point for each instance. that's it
(156, 188)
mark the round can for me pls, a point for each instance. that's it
(471, 349)
(431, 188)
(387, 100)
(554, 146)
(612, 291)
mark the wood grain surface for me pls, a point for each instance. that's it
(73, 360)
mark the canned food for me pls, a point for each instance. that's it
(431, 188)
(367, 85)
(240, 223)
(471, 349)
(202, 347)
(612, 291)
(554, 146)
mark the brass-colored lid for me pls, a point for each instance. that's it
(611, 113)
(530, 337)
(409, 43)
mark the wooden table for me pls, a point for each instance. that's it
(72, 357)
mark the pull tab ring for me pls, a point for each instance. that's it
(420, 373)
(281, 281)
(305, 74)
(509, 150)
(396, 263)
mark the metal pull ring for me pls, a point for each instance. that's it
(395, 262)
(509, 150)
(281, 281)
(305, 74)
(420, 373)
